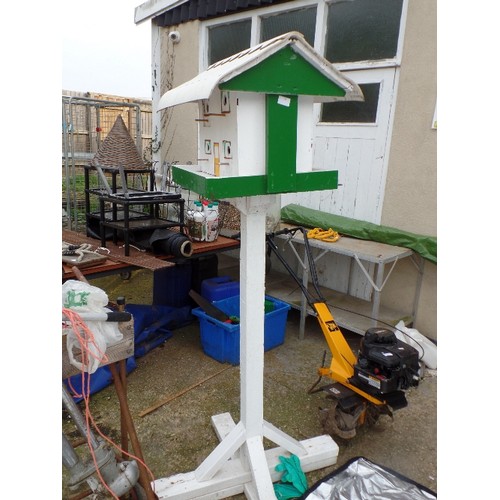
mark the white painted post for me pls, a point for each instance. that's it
(239, 464)
(252, 273)
(252, 295)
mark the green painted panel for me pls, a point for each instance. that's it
(285, 72)
(220, 187)
(234, 187)
(281, 145)
(316, 181)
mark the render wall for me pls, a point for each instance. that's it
(410, 201)
(179, 63)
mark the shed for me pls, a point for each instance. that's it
(255, 125)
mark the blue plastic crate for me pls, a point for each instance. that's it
(221, 341)
(219, 288)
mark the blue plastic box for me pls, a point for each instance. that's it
(219, 288)
(221, 341)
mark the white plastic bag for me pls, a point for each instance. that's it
(427, 350)
(82, 297)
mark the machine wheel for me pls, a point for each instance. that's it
(373, 413)
(337, 422)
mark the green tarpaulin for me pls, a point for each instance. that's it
(426, 246)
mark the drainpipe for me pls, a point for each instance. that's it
(155, 94)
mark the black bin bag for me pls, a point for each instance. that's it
(360, 479)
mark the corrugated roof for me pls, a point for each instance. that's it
(202, 86)
(118, 148)
(205, 9)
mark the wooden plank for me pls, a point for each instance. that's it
(117, 260)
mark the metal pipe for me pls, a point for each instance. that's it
(66, 166)
(69, 456)
(73, 168)
(75, 413)
(112, 316)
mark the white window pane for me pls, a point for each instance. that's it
(224, 40)
(361, 30)
(301, 20)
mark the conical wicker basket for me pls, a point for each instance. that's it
(119, 149)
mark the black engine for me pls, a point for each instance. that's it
(385, 363)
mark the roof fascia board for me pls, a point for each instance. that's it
(153, 8)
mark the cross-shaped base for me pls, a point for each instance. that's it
(239, 464)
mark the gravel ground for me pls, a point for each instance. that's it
(178, 435)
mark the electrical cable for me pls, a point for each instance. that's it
(327, 235)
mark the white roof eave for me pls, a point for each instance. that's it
(202, 86)
(153, 8)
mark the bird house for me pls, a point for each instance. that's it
(255, 123)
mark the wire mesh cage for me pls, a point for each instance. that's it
(86, 122)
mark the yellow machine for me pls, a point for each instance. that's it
(365, 385)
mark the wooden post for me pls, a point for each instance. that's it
(239, 464)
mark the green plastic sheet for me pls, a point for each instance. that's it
(426, 246)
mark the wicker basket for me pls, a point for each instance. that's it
(119, 149)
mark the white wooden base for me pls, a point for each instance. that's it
(240, 474)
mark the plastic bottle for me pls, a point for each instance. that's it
(211, 223)
(190, 222)
(215, 222)
(199, 230)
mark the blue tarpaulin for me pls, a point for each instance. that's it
(152, 326)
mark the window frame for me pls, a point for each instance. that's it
(373, 123)
(319, 38)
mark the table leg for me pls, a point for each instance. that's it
(376, 293)
(102, 228)
(126, 222)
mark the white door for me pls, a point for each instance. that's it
(359, 151)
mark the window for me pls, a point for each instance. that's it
(228, 39)
(362, 30)
(301, 20)
(354, 111)
(354, 31)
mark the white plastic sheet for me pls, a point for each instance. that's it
(82, 297)
(427, 350)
